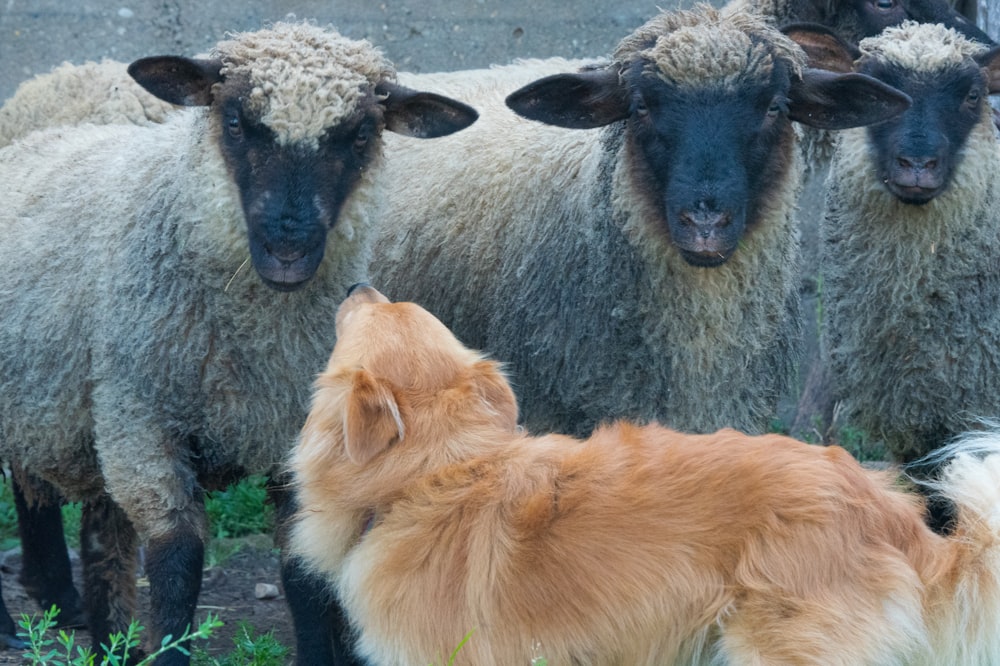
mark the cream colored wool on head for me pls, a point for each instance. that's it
(694, 46)
(305, 78)
(921, 46)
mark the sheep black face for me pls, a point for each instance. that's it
(917, 152)
(293, 183)
(706, 154)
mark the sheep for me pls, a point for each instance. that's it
(852, 20)
(676, 267)
(141, 361)
(96, 92)
(911, 245)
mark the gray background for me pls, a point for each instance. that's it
(417, 35)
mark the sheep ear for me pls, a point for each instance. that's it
(583, 100)
(837, 101)
(423, 115)
(371, 418)
(990, 61)
(178, 80)
(824, 48)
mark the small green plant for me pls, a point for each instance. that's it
(241, 509)
(63, 650)
(461, 644)
(251, 649)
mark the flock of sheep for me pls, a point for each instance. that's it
(178, 235)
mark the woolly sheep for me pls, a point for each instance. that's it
(911, 245)
(668, 231)
(96, 92)
(140, 362)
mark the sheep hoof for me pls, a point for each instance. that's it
(9, 642)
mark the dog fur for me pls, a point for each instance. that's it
(431, 515)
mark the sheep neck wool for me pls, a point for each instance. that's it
(290, 58)
(695, 46)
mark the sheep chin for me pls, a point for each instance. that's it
(282, 275)
(706, 259)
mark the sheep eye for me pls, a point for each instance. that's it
(774, 109)
(641, 109)
(972, 98)
(233, 126)
(885, 5)
(362, 138)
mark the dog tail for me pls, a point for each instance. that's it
(963, 603)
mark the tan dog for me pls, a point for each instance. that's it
(431, 516)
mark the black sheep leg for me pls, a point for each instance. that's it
(46, 574)
(174, 565)
(321, 629)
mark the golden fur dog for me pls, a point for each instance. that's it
(432, 515)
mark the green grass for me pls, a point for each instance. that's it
(250, 649)
(861, 446)
(240, 510)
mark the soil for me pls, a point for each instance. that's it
(228, 592)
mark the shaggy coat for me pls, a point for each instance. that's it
(162, 326)
(911, 290)
(546, 245)
(433, 517)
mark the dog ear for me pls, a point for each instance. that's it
(496, 393)
(371, 418)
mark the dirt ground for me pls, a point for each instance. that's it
(228, 592)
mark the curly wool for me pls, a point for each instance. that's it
(302, 91)
(687, 48)
(921, 47)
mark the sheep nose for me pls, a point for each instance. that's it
(918, 172)
(705, 221)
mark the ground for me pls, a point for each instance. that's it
(228, 592)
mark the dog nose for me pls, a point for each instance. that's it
(356, 285)
(362, 292)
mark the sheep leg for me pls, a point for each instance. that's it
(174, 563)
(46, 573)
(108, 549)
(321, 628)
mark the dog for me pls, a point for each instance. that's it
(435, 519)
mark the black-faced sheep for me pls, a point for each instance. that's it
(668, 232)
(141, 360)
(911, 245)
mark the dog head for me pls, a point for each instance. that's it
(398, 378)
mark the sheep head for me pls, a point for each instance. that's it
(949, 78)
(706, 103)
(297, 112)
